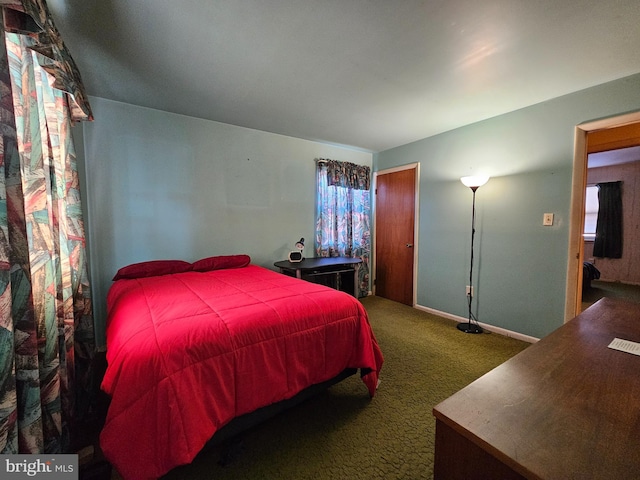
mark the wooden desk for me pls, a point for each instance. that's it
(567, 407)
(334, 269)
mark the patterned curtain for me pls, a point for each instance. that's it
(343, 212)
(46, 323)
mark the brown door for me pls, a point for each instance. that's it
(395, 220)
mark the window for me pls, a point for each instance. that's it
(342, 216)
(591, 213)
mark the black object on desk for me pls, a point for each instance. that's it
(340, 273)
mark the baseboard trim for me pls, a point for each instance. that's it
(491, 328)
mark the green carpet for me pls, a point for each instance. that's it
(600, 289)
(342, 433)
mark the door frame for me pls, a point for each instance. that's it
(573, 297)
(416, 221)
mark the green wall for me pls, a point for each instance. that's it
(521, 265)
(163, 186)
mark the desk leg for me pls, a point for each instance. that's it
(356, 281)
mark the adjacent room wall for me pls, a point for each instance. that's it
(165, 186)
(627, 268)
(520, 264)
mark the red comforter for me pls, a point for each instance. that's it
(189, 352)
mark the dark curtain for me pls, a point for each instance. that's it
(347, 175)
(608, 242)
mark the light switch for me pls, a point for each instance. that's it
(547, 219)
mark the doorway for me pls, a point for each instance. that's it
(598, 136)
(603, 276)
(396, 196)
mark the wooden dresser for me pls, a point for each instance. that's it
(567, 407)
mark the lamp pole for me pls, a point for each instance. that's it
(472, 325)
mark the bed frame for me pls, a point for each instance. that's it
(226, 437)
(249, 420)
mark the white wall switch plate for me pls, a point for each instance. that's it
(547, 219)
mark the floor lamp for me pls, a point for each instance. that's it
(473, 182)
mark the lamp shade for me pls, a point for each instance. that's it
(474, 181)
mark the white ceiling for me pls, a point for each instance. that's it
(371, 74)
(613, 157)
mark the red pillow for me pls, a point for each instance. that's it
(220, 262)
(152, 268)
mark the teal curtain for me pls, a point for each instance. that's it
(343, 210)
(46, 322)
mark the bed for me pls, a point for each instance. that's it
(190, 347)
